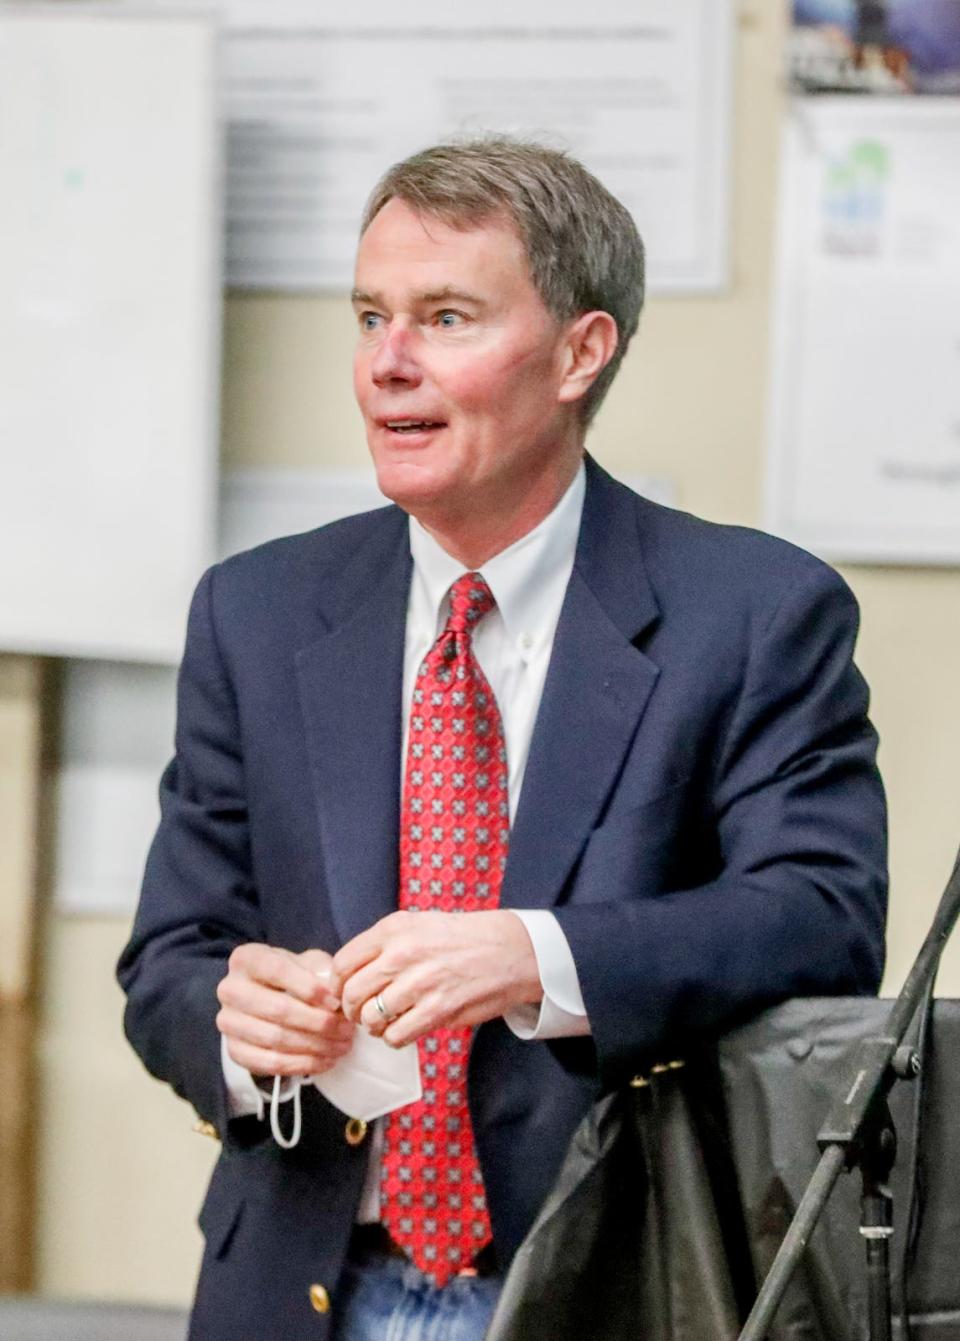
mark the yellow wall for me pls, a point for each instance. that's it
(21, 681)
(121, 1173)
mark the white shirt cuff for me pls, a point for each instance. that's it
(561, 1013)
(244, 1097)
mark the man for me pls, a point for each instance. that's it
(562, 780)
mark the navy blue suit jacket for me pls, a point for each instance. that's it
(701, 810)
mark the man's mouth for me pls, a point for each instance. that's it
(410, 426)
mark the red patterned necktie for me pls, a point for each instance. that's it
(454, 828)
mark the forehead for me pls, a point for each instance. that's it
(402, 244)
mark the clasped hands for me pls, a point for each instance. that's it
(292, 1014)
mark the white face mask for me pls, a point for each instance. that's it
(372, 1079)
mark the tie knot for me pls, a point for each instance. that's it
(470, 599)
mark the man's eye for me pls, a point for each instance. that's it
(449, 319)
(370, 321)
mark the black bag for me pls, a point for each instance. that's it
(675, 1194)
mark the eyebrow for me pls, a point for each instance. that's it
(445, 295)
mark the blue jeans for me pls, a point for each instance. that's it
(388, 1299)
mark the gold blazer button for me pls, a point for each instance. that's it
(319, 1298)
(204, 1128)
(355, 1131)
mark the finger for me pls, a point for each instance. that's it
(368, 944)
(411, 1026)
(375, 1020)
(336, 1040)
(363, 986)
(432, 1011)
(317, 960)
(320, 963)
(398, 990)
(278, 1007)
(278, 968)
(265, 1062)
(280, 971)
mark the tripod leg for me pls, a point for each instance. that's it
(877, 1156)
(878, 1289)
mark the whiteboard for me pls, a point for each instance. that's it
(109, 328)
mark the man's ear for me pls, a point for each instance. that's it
(590, 345)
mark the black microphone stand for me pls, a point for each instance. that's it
(859, 1133)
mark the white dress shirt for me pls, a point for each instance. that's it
(512, 644)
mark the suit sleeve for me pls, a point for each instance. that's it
(198, 899)
(797, 809)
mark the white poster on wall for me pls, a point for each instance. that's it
(318, 101)
(864, 439)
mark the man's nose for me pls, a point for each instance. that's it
(395, 359)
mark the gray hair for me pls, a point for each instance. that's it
(582, 245)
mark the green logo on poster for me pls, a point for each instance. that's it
(854, 199)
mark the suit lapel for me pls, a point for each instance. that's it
(350, 684)
(596, 690)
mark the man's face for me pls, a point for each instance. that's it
(457, 366)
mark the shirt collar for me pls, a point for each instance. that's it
(528, 578)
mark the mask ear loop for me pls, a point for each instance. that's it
(285, 1143)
